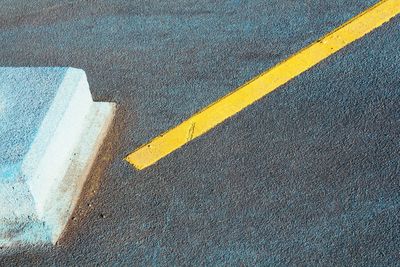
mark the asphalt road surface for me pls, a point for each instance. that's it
(309, 175)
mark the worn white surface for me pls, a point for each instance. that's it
(50, 131)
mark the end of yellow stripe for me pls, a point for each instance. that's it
(133, 163)
(137, 164)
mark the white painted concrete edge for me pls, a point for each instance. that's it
(65, 194)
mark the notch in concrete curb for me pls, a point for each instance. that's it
(50, 132)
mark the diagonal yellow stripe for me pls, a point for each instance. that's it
(265, 83)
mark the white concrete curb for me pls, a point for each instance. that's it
(48, 116)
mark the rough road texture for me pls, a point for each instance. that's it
(24, 104)
(308, 175)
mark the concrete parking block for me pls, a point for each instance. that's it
(50, 132)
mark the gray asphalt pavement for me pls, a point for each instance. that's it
(309, 175)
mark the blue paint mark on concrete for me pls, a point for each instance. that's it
(9, 172)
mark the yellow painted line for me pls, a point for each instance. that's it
(265, 83)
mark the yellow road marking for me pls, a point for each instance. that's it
(265, 83)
